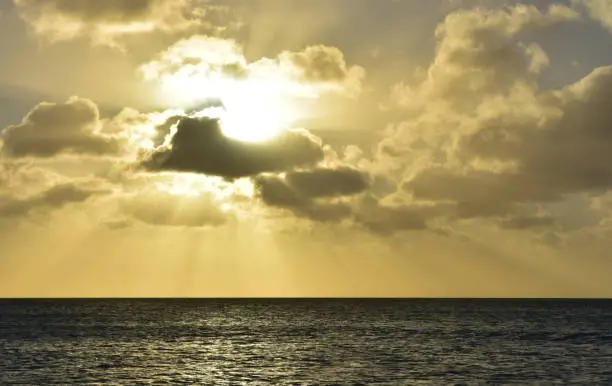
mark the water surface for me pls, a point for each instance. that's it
(232, 342)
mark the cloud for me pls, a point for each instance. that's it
(198, 55)
(483, 140)
(477, 193)
(221, 70)
(388, 219)
(598, 10)
(199, 146)
(276, 192)
(342, 193)
(160, 208)
(323, 65)
(104, 22)
(21, 179)
(311, 193)
(328, 182)
(478, 55)
(55, 197)
(564, 150)
(53, 128)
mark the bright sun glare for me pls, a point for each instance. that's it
(253, 110)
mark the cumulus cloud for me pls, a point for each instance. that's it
(53, 128)
(478, 56)
(483, 140)
(322, 65)
(599, 10)
(564, 150)
(199, 146)
(106, 21)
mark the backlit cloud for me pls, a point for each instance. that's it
(488, 141)
(475, 154)
(202, 67)
(199, 146)
(54, 128)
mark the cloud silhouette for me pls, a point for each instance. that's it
(199, 146)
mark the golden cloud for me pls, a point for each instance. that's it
(106, 22)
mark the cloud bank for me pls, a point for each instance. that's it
(481, 139)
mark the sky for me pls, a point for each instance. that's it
(283, 148)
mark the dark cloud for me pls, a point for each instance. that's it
(299, 190)
(53, 128)
(53, 198)
(164, 129)
(274, 191)
(325, 182)
(199, 146)
(320, 203)
(107, 10)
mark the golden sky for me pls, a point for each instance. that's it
(448, 148)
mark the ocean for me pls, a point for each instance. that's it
(306, 342)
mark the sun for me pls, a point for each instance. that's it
(253, 110)
(260, 99)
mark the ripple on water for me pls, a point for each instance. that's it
(305, 342)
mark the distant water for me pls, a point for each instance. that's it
(305, 342)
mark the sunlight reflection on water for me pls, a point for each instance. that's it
(305, 342)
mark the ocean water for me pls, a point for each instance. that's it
(313, 342)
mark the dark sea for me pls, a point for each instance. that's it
(305, 342)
